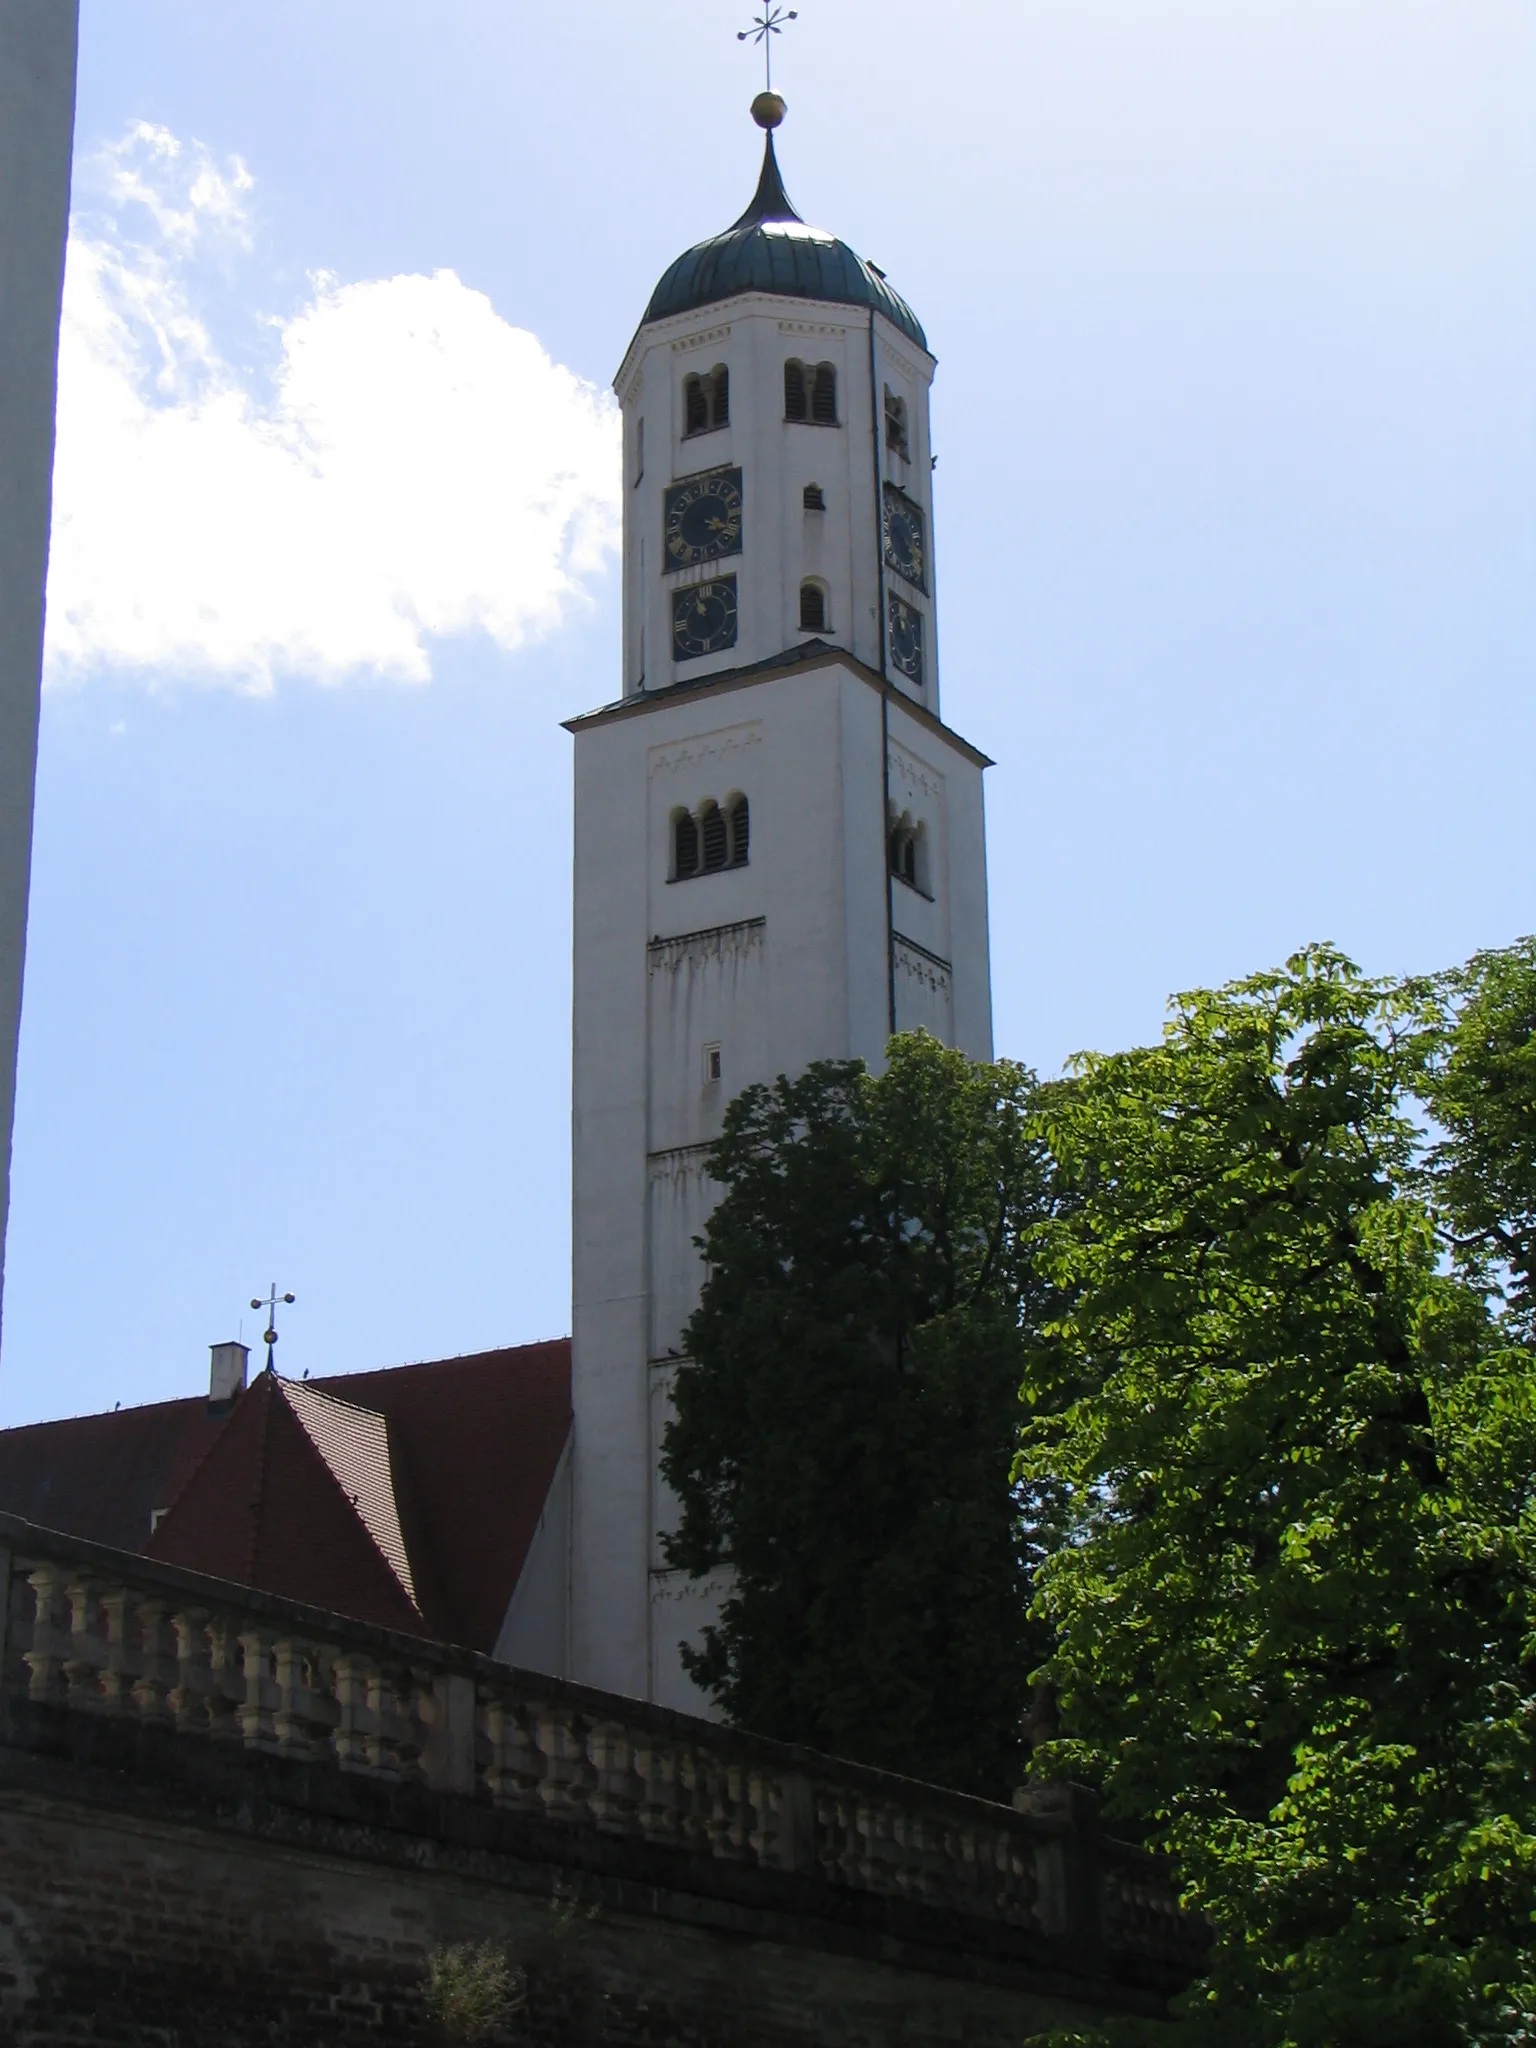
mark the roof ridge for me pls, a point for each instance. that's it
(353, 1441)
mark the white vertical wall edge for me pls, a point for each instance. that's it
(38, 40)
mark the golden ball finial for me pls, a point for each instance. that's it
(768, 110)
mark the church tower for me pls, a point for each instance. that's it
(780, 850)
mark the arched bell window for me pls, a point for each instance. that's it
(795, 403)
(718, 837)
(685, 845)
(896, 423)
(813, 607)
(908, 854)
(707, 400)
(824, 395)
(741, 831)
(714, 839)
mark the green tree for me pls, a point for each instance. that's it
(847, 1418)
(1480, 1085)
(1293, 1612)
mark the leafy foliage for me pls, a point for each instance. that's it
(1297, 1440)
(846, 1422)
(474, 1991)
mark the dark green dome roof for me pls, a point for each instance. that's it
(771, 249)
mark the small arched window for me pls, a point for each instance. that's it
(813, 608)
(741, 832)
(824, 395)
(714, 839)
(906, 854)
(707, 400)
(814, 498)
(794, 390)
(895, 423)
(685, 846)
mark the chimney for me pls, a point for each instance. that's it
(226, 1375)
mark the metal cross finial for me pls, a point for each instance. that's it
(269, 1334)
(765, 27)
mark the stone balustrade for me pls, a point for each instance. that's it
(108, 1633)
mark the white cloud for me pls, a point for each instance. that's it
(414, 467)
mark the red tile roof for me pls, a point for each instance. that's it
(407, 1496)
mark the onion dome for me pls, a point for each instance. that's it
(771, 249)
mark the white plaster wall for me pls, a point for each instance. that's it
(753, 336)
(37, 113)
(535, 1630)
(778, 963)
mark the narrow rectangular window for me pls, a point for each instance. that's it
(712, 1064)
(639, 448)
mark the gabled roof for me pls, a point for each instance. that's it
(267, 1508)
(449, 1462)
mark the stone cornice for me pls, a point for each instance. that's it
(791, 664)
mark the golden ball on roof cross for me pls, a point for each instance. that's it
(768, 110)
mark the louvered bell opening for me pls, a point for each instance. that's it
(895, 424)
(794, 391)
(695, 407)
(903, 855)
(722, 397)
(715, 838)
(813, 608)
(814, 500)
(741, 833)
(824, 396)
(685, 847)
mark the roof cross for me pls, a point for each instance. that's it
(765, 27)
(269, 1334)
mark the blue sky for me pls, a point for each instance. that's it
(1235, 307)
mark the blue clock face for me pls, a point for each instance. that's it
(701, 519)
(901, 520)
(704, 618)
(906, 641)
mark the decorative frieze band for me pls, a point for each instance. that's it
(920, 965)
(699, 340)
(729, 743)
(716, 942)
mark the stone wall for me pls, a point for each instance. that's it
(174, 1873)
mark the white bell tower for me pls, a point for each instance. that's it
(780, 848)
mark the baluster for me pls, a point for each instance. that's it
(49, 1647)
(617, 1791)
(414, 1708)
(255, 1709)
(349, 1739)
(727, 1813)
(656, 1763)
(516, 1768)
(157, 1664)
(120, 1664)
(381, 1742)
(293, 1716)
(766, 1795)
(566, 1786)
(83, 1664)
(225, 1678)
(188, 1698)
(692, 1799)
(831, 1834)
